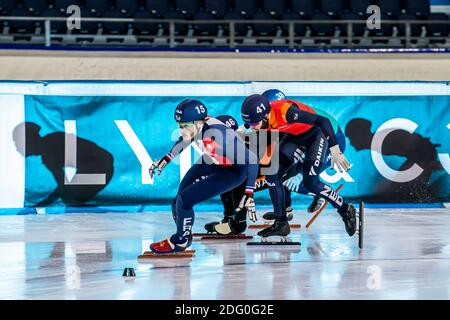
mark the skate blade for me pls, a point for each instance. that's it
(225, 237)
(261, 226)
(360, 230)
(274, 243)
(146, 253)
(151, 255)
(203, 234)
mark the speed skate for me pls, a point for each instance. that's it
(284, 241)
(152, 255)
(277, 229)
(216, 236)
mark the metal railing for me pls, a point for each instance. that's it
(283, 39)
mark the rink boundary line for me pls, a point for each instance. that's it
(204, 208)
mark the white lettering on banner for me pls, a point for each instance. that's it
(336, 176)
(70, 160)
(185, 159)
(377, 142)
(138, 148)
(444, 158)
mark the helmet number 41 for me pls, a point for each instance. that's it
(261, 108)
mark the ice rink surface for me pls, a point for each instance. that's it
(82, 256)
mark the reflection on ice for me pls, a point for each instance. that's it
(82, 256)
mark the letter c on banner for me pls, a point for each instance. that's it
(377, 157)
(445, 158)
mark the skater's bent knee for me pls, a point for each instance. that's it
(311, 184)
(183, 200)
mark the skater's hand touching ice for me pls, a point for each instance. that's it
(293, 183)
(248, 202)
(159, 165)
(338, 159)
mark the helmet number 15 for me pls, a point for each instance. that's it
(200, 109)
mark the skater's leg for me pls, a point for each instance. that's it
(239, 221)
(315, 155)
(195, 173)
(222, 179)
(235, 223)
(319, 201)
(228, 210)
(228, 204)
(295, 169)
(180, 241)
(275, 182)
(340, 137)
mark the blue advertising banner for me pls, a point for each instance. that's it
(396, 135)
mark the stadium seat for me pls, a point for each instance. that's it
(157, 7)
(127, 7)
(56, 27)
(418, 7)
(264, 29)
(62, 5)
(438, 29)
(322, 30)
(416, 29)
(299, 29)
(87, 27)
(114, 28)
(247, 7)
(386, 29)
(241, 29)
(358, 28)
(390, 7)
(187, 7)
(276, 8)
(97, 6)
(304, 7)
(360, 6)
(142, 28)
(180, 28)
(332, 7)
(206, 29)
(35, 6)
(24, 26)
(7, 5)
(217, 7)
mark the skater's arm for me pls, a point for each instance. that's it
(160, 164)
(295, 115)
(177, 148)
(252, 172)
